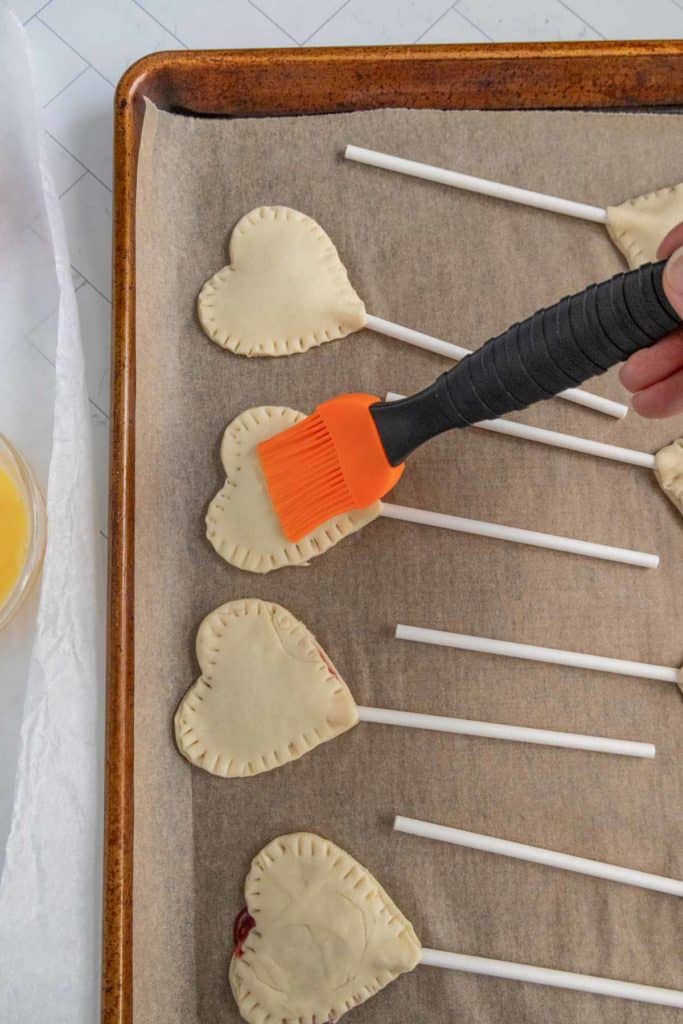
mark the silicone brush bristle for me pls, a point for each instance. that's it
(305, 481)
(330, 463)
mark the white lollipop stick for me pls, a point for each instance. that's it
(512, 533)
(558, 440)
(556, 979)
(457, 352)
(416, 338)
(551, 655)
(496, 731)
(538, 855)
(484, 186)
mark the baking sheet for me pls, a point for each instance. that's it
(462, 267)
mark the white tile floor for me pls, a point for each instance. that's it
(81, 48)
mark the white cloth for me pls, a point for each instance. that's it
(49, 772)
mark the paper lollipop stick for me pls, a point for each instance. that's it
(286, 256)
(636, 226)
(538, 855)
(551, 655)
(470, 183)
(667, 463)
(587, 548)
(318, 922)
(243, 528)
(268, 694)
(495, 731)
(557, 440)
(555, 979)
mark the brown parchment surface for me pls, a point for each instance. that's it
(462, 267)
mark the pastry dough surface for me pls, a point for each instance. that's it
(285, 289)
(241, 522)
(669, 471)
(638, 226)
(267, 693)
(326, 936)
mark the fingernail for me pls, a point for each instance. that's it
(673, 274)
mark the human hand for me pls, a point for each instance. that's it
(655, 375)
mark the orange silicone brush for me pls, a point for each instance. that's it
(349, 453)
(335, 458)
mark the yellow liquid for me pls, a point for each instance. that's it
(14, 534)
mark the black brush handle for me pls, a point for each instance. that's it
(579, 337)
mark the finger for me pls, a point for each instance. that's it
(672, 280)
(662, 399)
(670, 242)
(650, 365)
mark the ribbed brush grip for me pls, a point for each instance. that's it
(579, 337)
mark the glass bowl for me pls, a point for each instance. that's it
(21, 473)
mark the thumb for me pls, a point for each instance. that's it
(673, 280)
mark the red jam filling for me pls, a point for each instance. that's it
(330, 667)
(244, 922)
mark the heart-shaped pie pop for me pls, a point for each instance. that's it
(243, 527)
(285, 289)
(267, 693)
(241, 522)
(638, 225)
(318, 937)
(669, 471)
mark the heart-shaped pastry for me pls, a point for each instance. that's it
(267, 693)
(669, 471)
(319, 935)
(285, 289)
(638, 226)
(241, 522)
